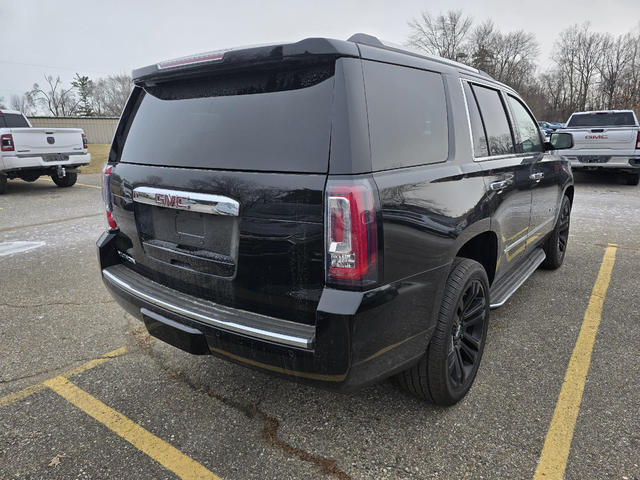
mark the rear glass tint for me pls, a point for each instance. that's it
(12, 120)
(258, 121)
(621, 119)
(407, 116)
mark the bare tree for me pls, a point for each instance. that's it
(485, 40)
(446, 35)
(110, 95)
(23, 103)
(2, 102)
(616, 56)
(577, 54)
(58, 101)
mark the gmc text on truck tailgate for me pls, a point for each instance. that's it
(29, 153)
(330, 212)
(605, 141)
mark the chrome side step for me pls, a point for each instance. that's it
(246, 323)
(502, 290)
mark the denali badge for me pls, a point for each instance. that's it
(196, 202)
(51, 140)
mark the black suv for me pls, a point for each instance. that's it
(331, 212)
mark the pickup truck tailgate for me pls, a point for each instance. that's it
(612, 138)
(42, 141)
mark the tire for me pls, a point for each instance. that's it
(67, 181)
(30, 178)
(446, 372)
(556, 245)
(633, 178)
(3, 183)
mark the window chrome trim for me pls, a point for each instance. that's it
(179, 200)
(466, 106)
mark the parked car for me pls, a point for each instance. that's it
(548, 128)
(330, 212)
(29, 153)
(606, 141)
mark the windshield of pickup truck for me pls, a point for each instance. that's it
(604, 119)
(12, 120)
(277, 120)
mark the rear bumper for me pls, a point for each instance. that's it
(630, 163)
(358, 338)
(13, 163)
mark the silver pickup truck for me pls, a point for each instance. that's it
(29, 153)
(605, 140)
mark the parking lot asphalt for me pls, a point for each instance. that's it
(86, 393)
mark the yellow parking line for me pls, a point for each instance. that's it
(20, 394)
(553, 459)
(163, 453)
(81, 184)
(25, 392)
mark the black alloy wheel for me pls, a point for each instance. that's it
(555, 247)
(563, 229)
(467, 336)
(446, 372)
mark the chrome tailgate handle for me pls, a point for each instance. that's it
(196, 202)
(536, 176)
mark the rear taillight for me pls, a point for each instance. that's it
(6, 143)
(638, 141)
(85, 143)
(352, 257)
(112, 226)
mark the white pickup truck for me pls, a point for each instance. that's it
(605, 140)
(29, 153)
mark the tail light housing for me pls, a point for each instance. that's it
(638, 142)
(352, 254)
(112, 225)
(6, 143)
(85, 143)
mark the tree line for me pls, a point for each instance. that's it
(588, 71)
(84, 97)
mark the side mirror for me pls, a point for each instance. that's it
(561, 141)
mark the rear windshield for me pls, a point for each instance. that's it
(620, 119)
(258, 121)
(12, 120)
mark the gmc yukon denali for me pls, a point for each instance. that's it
(29, 153)
(330, 212)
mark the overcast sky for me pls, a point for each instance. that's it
(97, 38)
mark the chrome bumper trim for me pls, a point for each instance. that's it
(301, 336)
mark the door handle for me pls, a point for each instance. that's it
(536, 176)
(499, 185)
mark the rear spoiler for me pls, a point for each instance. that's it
(245, 56)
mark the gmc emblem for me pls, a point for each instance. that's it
(596, 137)
(172, 201)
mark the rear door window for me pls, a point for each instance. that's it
(495, 120)
(407, 112)
(479, 136)
(275, 120)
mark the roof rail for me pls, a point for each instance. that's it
(371, 41)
